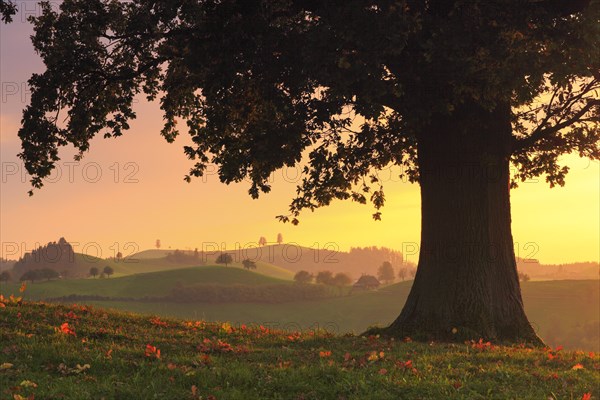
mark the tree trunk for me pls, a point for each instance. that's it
(466, 286)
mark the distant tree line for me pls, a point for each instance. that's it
(323, 277)
(181, 257)
(106, 272)
(39, 274)
(58, 256)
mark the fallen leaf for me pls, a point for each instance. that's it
(27, 383)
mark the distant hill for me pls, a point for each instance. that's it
(293, 257)
(545, 272)
(152, 284)
(563, 313)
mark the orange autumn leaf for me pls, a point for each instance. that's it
(586, 396)
(152, 351)
(66, 329)
(577, 366)
(325, 354)
(23, 287)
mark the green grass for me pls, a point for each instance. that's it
(107, 357)
(563, 312)
(140, 285)
(154, 260)
(560, 311)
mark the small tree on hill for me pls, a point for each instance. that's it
(279, 238)
(303, 277)
(5, 276)
(224, 258)
(385, 272)
(31, 275)
(324, 277)
(249, 264)
(341, 279)
(48, 273)
(262, 241)
(94, 271)
(523, 277)
(402, 273)
(119, 256)
(157, 244)
(108, 271)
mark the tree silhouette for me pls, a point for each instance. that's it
(5, 276)
(94, 271)
(341, 279)
(32, 275)
(7, 10)
(249, 264)
(157, 244)
(303, 277)
(279, 238)
(451, 91)
(402, 273)
(108, 271)
(523, 277)
(48, 273)
(386, 273)
(262, 241)
(224, 258)
(324, 277)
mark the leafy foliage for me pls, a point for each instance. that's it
(224, 258)
(303, 277)
(386, 273)
(39, 274)
(261, 84)
(108, 270)
(249, 264)
(7, 10)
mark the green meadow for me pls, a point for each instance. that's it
(80, 352)
(563, 312)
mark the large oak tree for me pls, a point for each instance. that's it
(452, 91)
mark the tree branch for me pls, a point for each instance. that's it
(540, 133)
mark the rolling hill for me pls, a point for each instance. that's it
(563, 312)
(152, 284)
(293, 257)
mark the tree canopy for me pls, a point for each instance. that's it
(348, 84)
(450, 91)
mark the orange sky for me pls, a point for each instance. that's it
(141, 196)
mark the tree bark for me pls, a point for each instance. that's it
(466, 286)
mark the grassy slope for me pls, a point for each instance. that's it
(554, 307)
(140, 285)
(106, 357)
(123, 267)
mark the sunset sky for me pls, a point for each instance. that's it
(140, 195)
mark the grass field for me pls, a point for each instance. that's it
(147, 264)
(78, 352)
(141, 285)
(563, 312)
